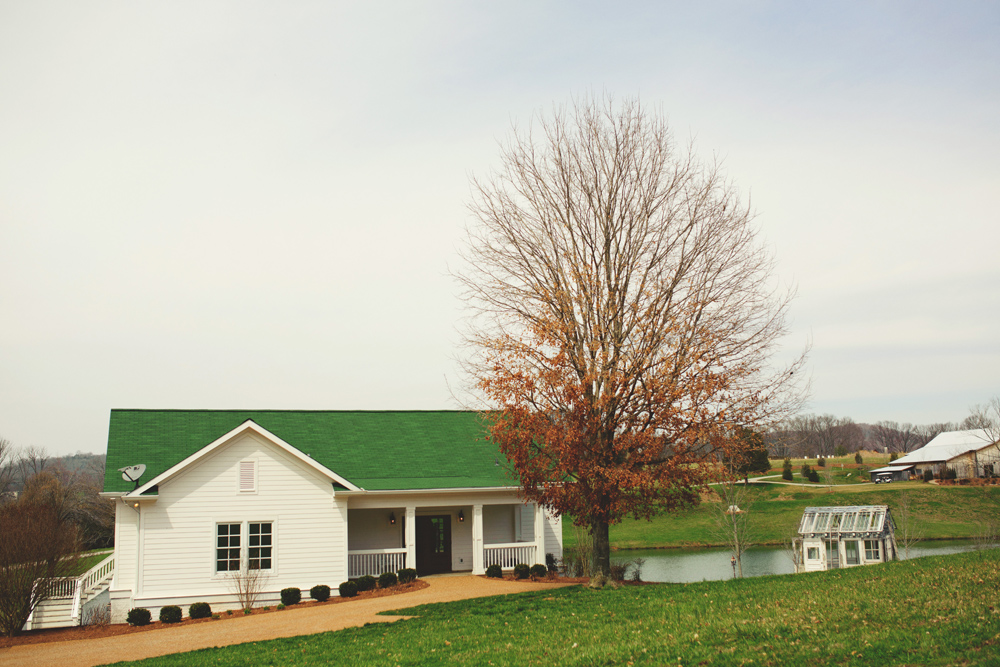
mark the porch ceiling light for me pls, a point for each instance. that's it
(461, 516)
(392, 518)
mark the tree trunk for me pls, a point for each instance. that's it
(602, 548)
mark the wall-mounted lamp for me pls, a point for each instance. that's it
(135, 504)
(392, 518)
(461, 516)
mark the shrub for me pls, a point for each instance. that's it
(858, 459)
(521, 571)
(928, 475)
(821, 462)
(290, 596)
(786, 470)
(406, 575)
(319, 593)
(366, 582)
(199, 610)
(387, 580)
(138, 616)
(893, 457)
(216, 617)
(247, 611)
(280, 606)
(840, 450)
(949, 473)
(170, 614)
(494, 571)
(813, 476)
(229, 612)
(551, 564)
(805, 471)
(540, 571)
(348, 589)
(617, 571)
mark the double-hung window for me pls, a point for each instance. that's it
(872, 550)
(227, 547)
(233, 553)
(259, 546)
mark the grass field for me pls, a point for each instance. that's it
(941, 512)
(942, 610)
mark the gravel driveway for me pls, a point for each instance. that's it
(289, 623)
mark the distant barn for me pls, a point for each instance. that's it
(835, 537)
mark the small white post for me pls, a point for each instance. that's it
(477, 540)
(77, 602)
(411, 537)
(539, 535)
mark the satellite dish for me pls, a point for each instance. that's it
(133, 473)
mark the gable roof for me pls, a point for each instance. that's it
(947, 446)
(374, 450)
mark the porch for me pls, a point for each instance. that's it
(434, 539)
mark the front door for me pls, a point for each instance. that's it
(433, 544)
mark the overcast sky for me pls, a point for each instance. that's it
(256, 205)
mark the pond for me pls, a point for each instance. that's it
(684, 565)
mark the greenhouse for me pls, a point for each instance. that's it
(835, 537)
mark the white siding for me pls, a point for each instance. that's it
(498, 524)
(553, 535)
(370, 529)
(179, 529)
(461, 540)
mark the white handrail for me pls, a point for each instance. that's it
(375, 561)
(98, 574)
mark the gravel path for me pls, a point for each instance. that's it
(289, 623)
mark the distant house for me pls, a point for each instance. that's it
(835, 537)
(969, 453)
(307, 497)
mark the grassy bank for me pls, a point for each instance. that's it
(941, 610)
(940, 512)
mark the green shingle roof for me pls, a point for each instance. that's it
(373, 450)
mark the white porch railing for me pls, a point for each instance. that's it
(508, 555)
(375, 561)
(77, 589)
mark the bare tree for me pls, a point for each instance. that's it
(31, 462)
(891, 436)
(37, 547)
(732, 515)
(247, 584)
(624, 312)
(7, 470)
(985, 417)
(909, 528)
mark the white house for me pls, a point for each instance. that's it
(307, 497)
(969, 453)
(835, 537)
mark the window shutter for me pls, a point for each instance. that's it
(248, 475)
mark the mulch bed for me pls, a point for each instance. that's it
(115, 629)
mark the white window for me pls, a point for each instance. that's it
(248, 476)
(227, 547)
(259, 545)
(812, 553)
(872, 551)
(232, 553)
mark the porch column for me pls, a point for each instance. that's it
(539, 535)
(410, 537)
(477, 540)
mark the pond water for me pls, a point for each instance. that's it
(684, 565)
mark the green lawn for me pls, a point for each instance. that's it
(942, 610)
(943, 512)
(87, 560)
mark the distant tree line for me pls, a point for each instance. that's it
(827, 435)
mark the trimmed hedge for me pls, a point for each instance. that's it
(290, 596)
(320, 593)
(539, 571)
(494, 571)
(348, 589)
(366, 582)
(387, 580)
(138, 616)
(406, 575)
(200, 610)
(521, 571)
(170, 614)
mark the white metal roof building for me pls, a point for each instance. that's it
(951, 449)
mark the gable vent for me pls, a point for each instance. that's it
(248, 475)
